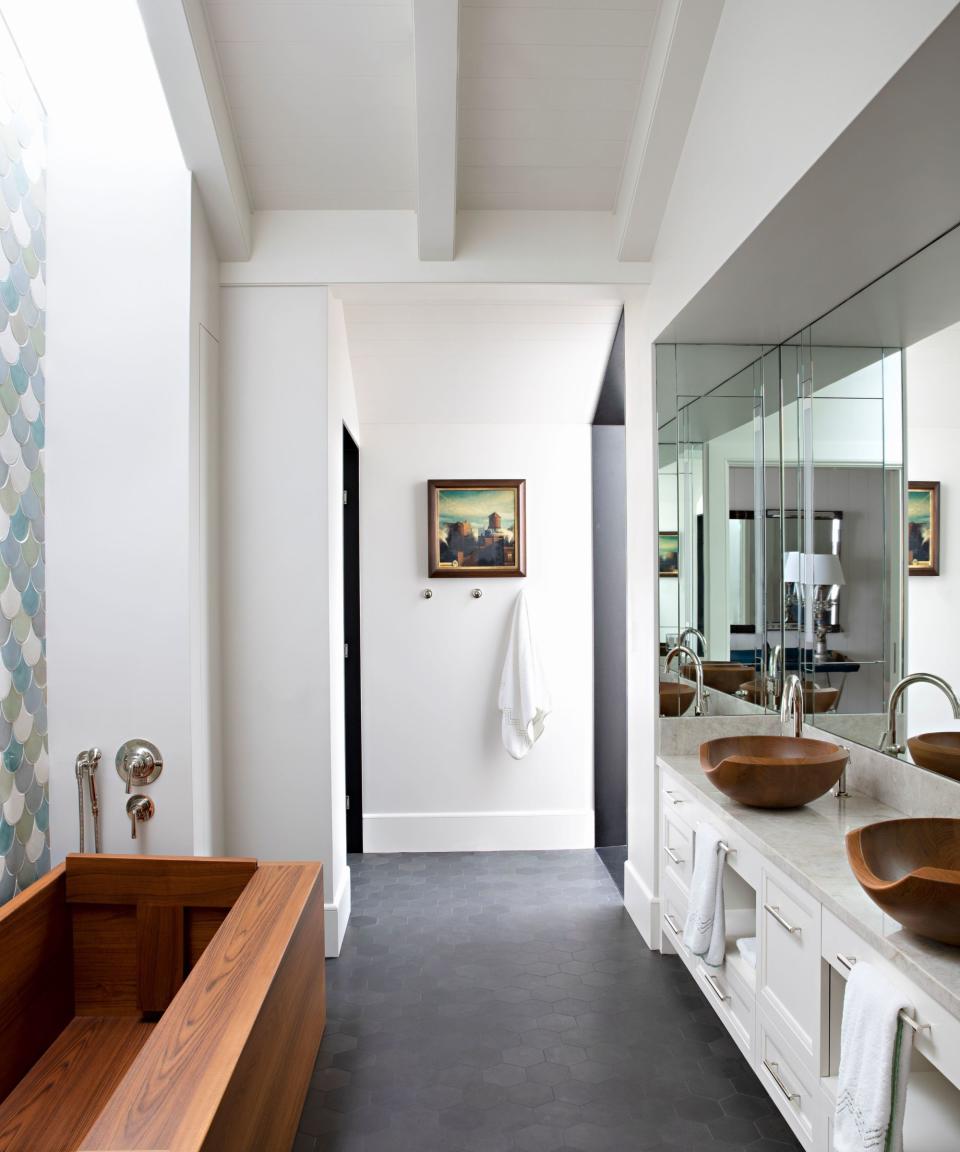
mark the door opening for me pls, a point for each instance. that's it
(351, 643)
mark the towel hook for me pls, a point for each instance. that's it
(476, 593)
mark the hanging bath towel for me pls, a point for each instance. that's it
(524, 696)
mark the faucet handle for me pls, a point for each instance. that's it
(139, 807)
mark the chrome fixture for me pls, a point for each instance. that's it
(140, 808)
(476, 593)
(791, 705)
(774, 674)
(889, 741)
(848, 963)
(138, 762)
(699, 705)
(840, 791)
(85, 768)
(427, 593)
(688, 631)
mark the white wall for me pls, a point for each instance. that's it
(282, 403)
(778, 89)
(933, 426)
(119, 409)
(435, 774)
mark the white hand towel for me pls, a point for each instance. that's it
(875, 1048)
(524, 697)
(704, 930)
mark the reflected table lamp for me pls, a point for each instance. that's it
(819, 577)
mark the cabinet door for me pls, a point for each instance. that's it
(790, 961)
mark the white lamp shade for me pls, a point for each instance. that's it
(812, 568)
(827, 569)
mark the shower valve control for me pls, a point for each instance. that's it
(139, 809)
(138, 763)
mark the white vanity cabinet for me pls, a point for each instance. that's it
(785, 1015)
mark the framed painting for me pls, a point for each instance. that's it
(923, 527)
(669, 551)
(477, 528)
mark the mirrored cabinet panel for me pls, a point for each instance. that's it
(805, 496)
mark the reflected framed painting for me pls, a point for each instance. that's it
(477, 528)
(923, 527)
(669, 553)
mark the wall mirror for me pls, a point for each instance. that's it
(784, 478)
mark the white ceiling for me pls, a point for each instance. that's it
(322, 96)
(322, 99)
(548, 96)
(458, 358)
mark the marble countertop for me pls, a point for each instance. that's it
(807, 844)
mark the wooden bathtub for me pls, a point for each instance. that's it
(169, 1004)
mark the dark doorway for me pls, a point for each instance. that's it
(610, 609)
(353, 747)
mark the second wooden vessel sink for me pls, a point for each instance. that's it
(772, 771)
(816, 697)
(911, 869)
(721, 675)
(938, 751)
(675, 697)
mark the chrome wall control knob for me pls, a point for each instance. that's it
(138, 763)
(139, 809)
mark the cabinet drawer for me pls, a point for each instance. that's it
(677, 849)
(790, 961)
(791, 1085)
(676, 801)
(733, 1002)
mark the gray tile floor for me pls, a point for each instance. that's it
(492, 1002)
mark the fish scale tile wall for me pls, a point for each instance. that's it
(24, 773)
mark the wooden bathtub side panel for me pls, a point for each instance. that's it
(261, 1108)
(196, 1063)
(200, 881)
(36, 975)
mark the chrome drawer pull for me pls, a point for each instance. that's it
(673, 856)
(673, 798)
(772, 1069)
(775, 913)
(674, 926)
(846, 961)
(715, 988)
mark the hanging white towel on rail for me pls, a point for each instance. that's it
(524, 697)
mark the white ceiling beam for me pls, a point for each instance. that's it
(436, 48)
(187, 65)
(380, 247)
(679, 52)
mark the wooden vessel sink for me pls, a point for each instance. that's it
(772, 771)
(675, 697)
(816, 697)
(938, 751)
(722, 675)
(911, 869)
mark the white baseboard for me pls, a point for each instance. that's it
(336, 916)
(476, 831)
(643, 906)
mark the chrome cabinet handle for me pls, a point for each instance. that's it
(674, 926)
(847, 961)
(673, 799)
(772, 1068)
(673, 856)
(715, 988)
(775, 913)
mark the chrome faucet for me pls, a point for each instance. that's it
(774, 674)
(688, 631)
(889, 743)
(791, 705)
(699, 706)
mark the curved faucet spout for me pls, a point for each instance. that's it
(888, 742)
(791, 705)
(688, 631)
(694, 659)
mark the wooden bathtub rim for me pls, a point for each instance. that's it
(172, 1095)
(210, 881)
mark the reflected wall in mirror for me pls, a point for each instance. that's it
(784, 470)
